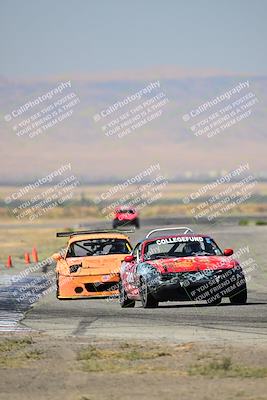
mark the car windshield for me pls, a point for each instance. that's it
(98, 247)
(181, 246)
(125, 211)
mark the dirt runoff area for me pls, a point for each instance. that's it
(38, 367)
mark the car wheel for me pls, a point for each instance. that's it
(45, 268)
(114, 225)
(240, 297)
(125, 302)
(137, 223)
(215, 302)
(148, 301)
(57, 285)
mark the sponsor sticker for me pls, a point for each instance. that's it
(180, 239)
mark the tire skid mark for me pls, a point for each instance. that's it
(83, 325)
(16, 298)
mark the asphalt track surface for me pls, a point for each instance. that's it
(172, 321)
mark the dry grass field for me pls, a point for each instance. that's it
(75, 370)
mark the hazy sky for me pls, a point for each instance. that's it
(47, 37)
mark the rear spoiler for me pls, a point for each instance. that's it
(185, 230)
(74, 233)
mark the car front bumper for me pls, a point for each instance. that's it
(73, 287)
(186, 287)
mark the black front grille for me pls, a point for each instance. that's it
(101, 287)
(169, 275)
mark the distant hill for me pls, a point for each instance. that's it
(167, 139)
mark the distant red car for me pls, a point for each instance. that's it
(125, 216)
(180, 267)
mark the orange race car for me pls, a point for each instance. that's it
(91, 264)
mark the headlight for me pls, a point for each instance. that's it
(74, 268)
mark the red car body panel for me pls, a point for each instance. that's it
(121, 215)
(185, 264)
(179, 266)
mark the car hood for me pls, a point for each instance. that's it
(95, 265)
(196, 263)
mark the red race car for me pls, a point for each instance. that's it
(180, 267)
(125, 216)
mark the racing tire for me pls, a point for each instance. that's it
(148, 301)
(124, 300)
(45, 268)
(57, 285)
(214, 302)
(239, 297)
(137, 223)
(114, 225)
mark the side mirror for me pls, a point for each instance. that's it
(228, 252)
(129, 258)
(57, 256)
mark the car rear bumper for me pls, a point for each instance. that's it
(87, 286)
(125, 221)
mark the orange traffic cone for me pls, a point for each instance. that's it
(27, 258)
(34, 255)
(9, 262)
